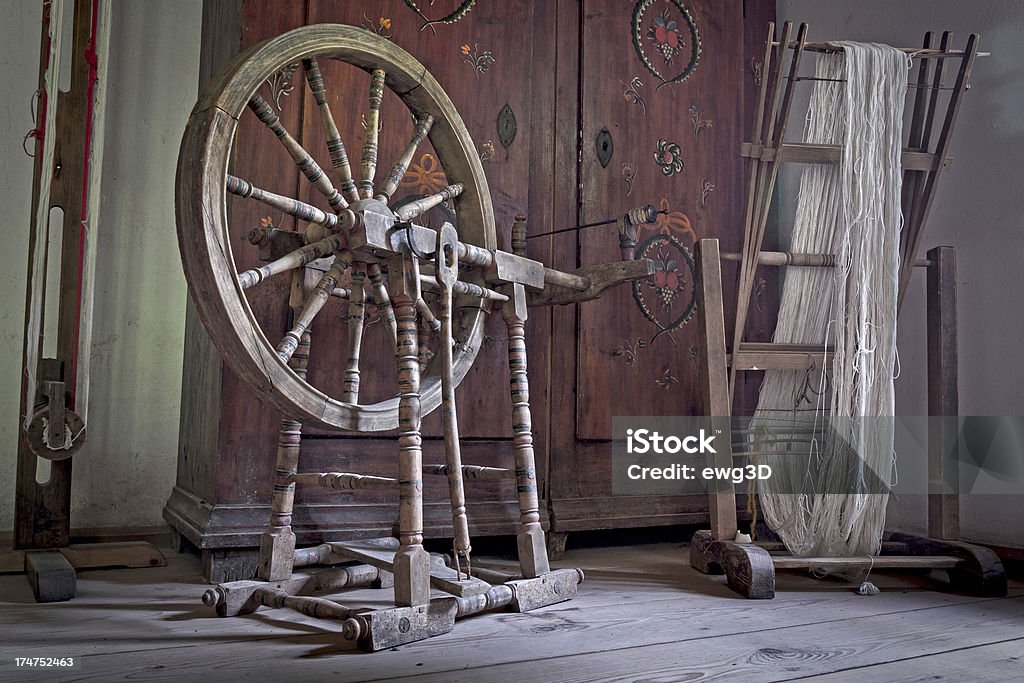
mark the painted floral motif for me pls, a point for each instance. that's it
(631, 93)
(667, 379)
(667, 298)
(666, 40)
(382, 28)
(486, 151)
(667, 280)
(699, 120)
(669, 157)
(629, 175)
(480, 61)
(281, 83)
(630, 352)
(425, 176)
(665, 36)
(706, 188)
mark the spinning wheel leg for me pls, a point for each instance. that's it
(533, 554)
(412, 563)
(277, 545)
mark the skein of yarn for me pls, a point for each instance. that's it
(832, 503)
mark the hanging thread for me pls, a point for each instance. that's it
(833, 503)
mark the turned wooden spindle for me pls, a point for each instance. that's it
(412, 564)
(466, 288)
(277, 544)
(316, 300)
(519, 235)
(356, 314)
(420, 131)
(320, 608)
(335, 147)
(368, 167)
(419, 207)
(316, 176)
(292, 207)
(346, 481)
(382, 300)
(446, 267)
(293, 260)
(533, 556)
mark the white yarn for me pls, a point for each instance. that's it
(851, 210)
(33, 327)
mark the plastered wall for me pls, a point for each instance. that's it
(123, 474)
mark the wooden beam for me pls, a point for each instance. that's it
(943, 397)
(714, 382)
(804, 153)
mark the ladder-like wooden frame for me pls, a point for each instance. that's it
(750, 568)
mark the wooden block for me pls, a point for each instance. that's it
(980, 573)
(748, 568)
(51, 575)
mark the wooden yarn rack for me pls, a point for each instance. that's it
(750, 568)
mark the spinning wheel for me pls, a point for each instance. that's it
(367, 247)
(359, 199)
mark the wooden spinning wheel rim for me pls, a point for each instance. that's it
(204, 240)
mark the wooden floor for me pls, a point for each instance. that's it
(642, 614)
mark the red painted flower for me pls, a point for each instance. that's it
(665, 36)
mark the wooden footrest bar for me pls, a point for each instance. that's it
(472, 471)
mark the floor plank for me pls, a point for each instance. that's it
(996, 662)
(641, 613)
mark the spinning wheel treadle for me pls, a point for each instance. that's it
(389, 260)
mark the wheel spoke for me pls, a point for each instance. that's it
(292, 207)
(314, 302)
(402, 165)
(421, 206)
(335, 147)
(356, 313)
(382, 300)
(293, 260)
(265, 113)
(369, 163)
